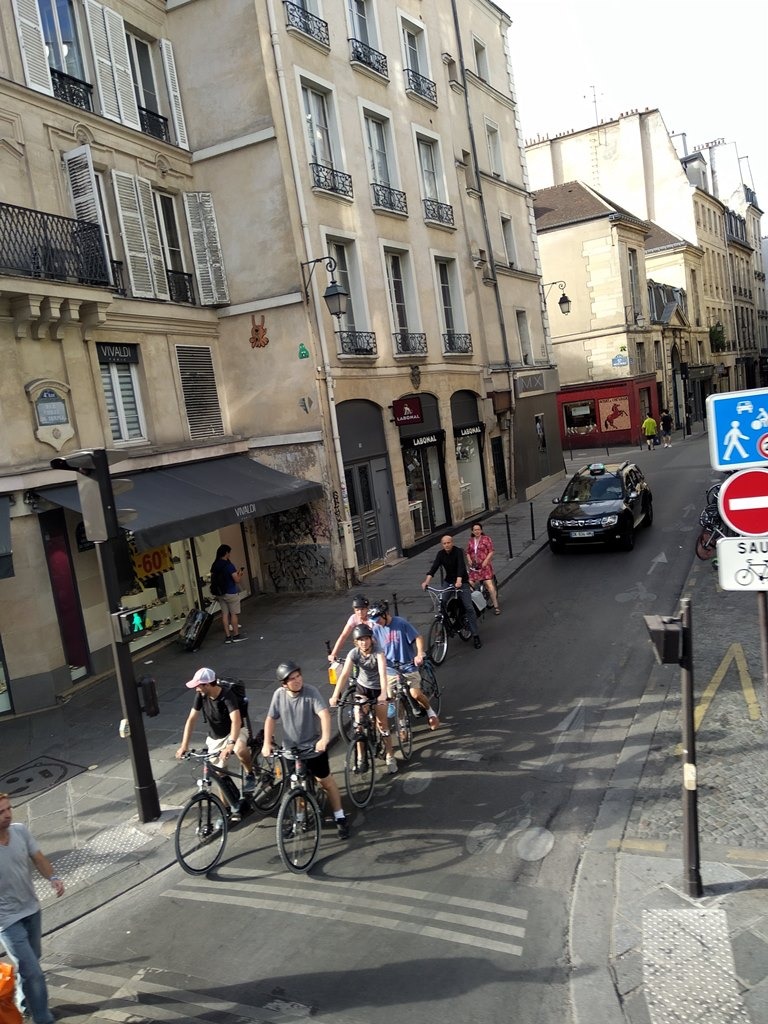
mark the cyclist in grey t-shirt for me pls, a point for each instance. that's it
(306, 721)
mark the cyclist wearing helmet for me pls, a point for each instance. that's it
(306, 723)
(358, 617)
(403, 648)
(370, 684)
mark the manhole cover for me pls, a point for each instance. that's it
(37, 776)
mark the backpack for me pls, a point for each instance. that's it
(218, 581)
(238, 688)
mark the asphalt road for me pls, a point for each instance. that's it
(452, 900)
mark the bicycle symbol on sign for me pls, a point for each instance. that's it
(745, 576)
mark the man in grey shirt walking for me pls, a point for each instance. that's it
(306, 720)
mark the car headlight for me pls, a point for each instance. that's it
(557, 523)
(609, 520)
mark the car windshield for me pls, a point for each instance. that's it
(593, 488)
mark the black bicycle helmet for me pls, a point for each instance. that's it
(362, 631)
(360, 601)
(285, 669)
(379, 609)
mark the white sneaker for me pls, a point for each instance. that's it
(392, 766)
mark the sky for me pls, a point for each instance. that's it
(700, 62)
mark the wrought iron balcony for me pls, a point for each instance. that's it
(71, 90)
(440, 213)
(315, 28)
(407, 343)
(424, 87)
(180, 286)
(386, 198)
(154, 124)
(117, 276)
(361, 53)
(35, 244)
(357, 343)
(331, 180)
(457, 344)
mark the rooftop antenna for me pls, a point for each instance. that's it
(594, 102)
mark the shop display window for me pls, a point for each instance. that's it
(579, 417)
(469, 466)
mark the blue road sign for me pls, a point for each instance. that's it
(738, 429)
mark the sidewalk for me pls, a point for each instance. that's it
(642, 951)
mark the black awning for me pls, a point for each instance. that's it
(6, 560)
(197, 497)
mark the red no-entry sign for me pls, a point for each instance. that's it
(743, 501)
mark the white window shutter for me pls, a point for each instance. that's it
(105, 79)
(121, 68)
(132, 230)
(85, 196)
(152, 237)
(201, 397)
(174, 94)
(206, 248)
(33, 55)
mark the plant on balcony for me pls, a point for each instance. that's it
(717, 337)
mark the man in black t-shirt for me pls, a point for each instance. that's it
(451, 560)
(227, 732)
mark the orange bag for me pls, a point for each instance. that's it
(8, 1012)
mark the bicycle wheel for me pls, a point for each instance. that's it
(437, 641)
(360, 771)
(270, 781)
(298, 831)
(201, 834)
(430, 686)
(346, 719)
(403, 727)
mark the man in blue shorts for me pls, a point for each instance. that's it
(403, 648)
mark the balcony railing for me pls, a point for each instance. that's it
(331, 180)
(361, 53)
(386, 198)
(357, 343)
(424, 87)
(315, 28)
(35, 244)
(457, 344)
(181, 286)
(71, 90)
(407, 343)
(154, 124)
(117, 276)
(440, 213)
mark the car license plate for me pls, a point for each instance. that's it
(582, 533)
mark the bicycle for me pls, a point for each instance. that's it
(203, 825)
(367, 745)
(752, 570)
(300, 818)
(430, 687)
(450, 620)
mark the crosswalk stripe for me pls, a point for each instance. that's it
(354, 918)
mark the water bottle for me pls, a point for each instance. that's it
(391, 712)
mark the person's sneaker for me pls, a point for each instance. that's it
(228, 640)
(392, 766)
(434, 722)
(235, 816)
(478, 643)
(249, 786)
(342, 827)
(237, 639)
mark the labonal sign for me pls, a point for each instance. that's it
(742, 563)
(743, 502)
(738, 429)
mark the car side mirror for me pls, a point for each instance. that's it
(556, 501)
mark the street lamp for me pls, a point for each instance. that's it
(563, 302)
(334, 295)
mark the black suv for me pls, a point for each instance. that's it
(603, 503)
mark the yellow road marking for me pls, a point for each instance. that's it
(735, 653)
(648, 845)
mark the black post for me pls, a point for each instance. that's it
(509, 535)
(762, 615)
(691, 857)
(533, 525)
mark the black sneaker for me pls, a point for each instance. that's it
(228, 640)
(478, 643)
(342, 827)
(237, 639)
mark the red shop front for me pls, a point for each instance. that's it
(606, 413)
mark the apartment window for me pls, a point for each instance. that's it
(634, 279)
(640, 349)
(201, 397)
(657, 361)
(62, 46)
(140, 57)
(119, 379)
(494, 148)
(413, 39)
(428, 163)
(508, 237)
(342, 255)
(481, 59)
(318, 126)
(416, 66)
(170, 239)
(444, 269)
(524, 335)
(361, 20)
(376, 137)
(397, 291)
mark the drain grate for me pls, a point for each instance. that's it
(37, 777)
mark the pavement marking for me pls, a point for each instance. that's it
(646, 845)
(574, 721)
(688, 968)
(740, 853)
(108, 847)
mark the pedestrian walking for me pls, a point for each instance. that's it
(20, 915)
(649, 430)
(666, 428)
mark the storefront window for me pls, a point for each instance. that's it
(470, 470)
(426, 503)
(579, 417)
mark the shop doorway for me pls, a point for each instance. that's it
(364, 515)
(425, 482)
(499, 467)
(65, 593)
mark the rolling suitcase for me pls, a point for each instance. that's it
(195, 629)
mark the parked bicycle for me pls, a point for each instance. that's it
(450, 620)
(204, 822)
(300, 818)
(713, 530)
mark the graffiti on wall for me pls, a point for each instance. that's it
(298, 550)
